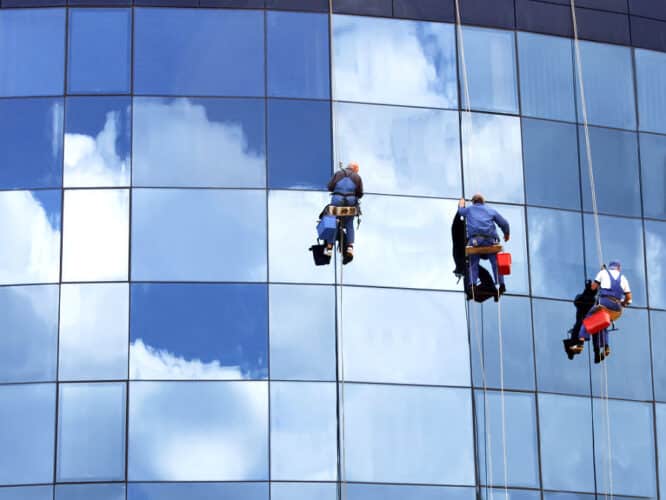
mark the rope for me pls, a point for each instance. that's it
(501, 353)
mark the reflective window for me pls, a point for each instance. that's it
(299, 144)
(214, 431)
(302, 336)
(555, 242)
(97, 142)
(297, 56)
(653, 175)
(303, 431)
(199, 332)
(292, 231)
(402, 492)
(492, 157)
(29, 326)
(489, 493)
(199, 142)
(199, 52)
(391, 435)
(630, 435)
(30, 225)
(660, 411)
(99, 50)
(198, 235)
(91, 432)
(555, 373)
(550, 151)
(93, 331)
(423, 65)
(655, 249)
(385, 341)
(305, 491)
(96, 235)
(419, 253)
(657, 322)
(27, 493)
(490, 67)
(32, 52)
(197, 491)
(518, 280)
(507, 418)
(650, 81)
(546, 77)
(615, 164)
(114, 491)
(27, 413)
(31, 143)
(556, 416)
(401, 150)
(517, 361)
(608, 78)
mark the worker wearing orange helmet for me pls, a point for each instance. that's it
(347, 188)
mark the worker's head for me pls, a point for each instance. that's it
(353, 166)
(478, 199)
(615, 264)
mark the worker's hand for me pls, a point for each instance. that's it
(507, 237)
(461, 203)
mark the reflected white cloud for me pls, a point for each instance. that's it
(655, 245)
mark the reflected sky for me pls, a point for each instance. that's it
(177, 235)
(29, 326)
(93, 331)
(385, 341)
(394, 62)
(198, 431)
(655, 245)
(305, 491)
(653, 175)
(198, 332)
(650, 82)
(402, 492)
(114, 491)
(27, 493)
(225, 144)
(401, 150)
(660, 411)
(492, 157)
(518, 280)
(391, 435)
(197, 491)
(97, 142)
(657, 322)
(96, 235)
(30, 225)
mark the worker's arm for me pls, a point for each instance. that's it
(503, 224)
(627, 299)
(359, 185)
(462, 210)
(334, 180)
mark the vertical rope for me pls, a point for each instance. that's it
(501, 353)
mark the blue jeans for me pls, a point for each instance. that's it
(474, 261)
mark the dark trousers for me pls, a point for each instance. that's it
(475, 259)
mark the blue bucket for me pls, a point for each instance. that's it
(327, 228)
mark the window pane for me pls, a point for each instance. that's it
(91, 432)
(555, 373)
(199, 52)
(199, 332)
(550, 150)
(555, 241)
(490, 66)
(385, 341)
(422, 70)
(655, 243)
(297, 59)
(30, 225)
(96, 235)
(32, 52)
(29, 326)
(391, 435)
(660, 411)
(492, 157)
(401, 150)
(93, 331)
(99, 50)
(305, 491)
(560, 439)
(215, 431)
(608, 78)
(650, 81)
(97, 142)
(518, 432)
(630, 435)
(177, 235)
(657, 322)
(227, 146)
(31, 143)
(27, 493)
(546, 77)
(517, 361)
(198, 491)
(517, 281)
(404, 492)
(302, 320)
(89, 491)
(299, 144)
(615, 163)
(653, 175)
(303, 431)
(27, 413)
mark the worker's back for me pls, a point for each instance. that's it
(480, 220)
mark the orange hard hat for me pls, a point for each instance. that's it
(353, 166)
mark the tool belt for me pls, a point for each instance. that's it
(342, 211)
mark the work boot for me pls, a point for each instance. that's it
(598, 356)
(502, 289)
(328, 251)
(348, 255)
(607, 351)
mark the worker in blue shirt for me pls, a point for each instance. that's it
(346, 187)
(481, 232)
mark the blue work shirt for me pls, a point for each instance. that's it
(481, 220)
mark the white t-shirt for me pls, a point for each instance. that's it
(605, 282)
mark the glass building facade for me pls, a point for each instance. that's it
(164, 333)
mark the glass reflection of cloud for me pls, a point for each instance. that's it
(395, 62)
(655, 245)
(198, 431)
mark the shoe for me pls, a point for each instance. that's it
(502, 289)
(328, 251)
(597, 357)
(348, 256)
(607, 351)
(350, 250)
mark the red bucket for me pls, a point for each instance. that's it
(504, 263)
(597, 321)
